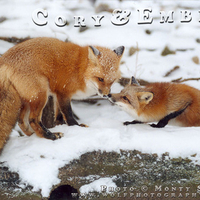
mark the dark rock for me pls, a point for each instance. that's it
(130, 169)
(166, 51)
(103, 8)
(2, 19)
(14, 40)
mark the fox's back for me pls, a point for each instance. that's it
(41, 60)
(43, 54)
(171, 97)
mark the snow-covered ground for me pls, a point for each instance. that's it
(37, 160)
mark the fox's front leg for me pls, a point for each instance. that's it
(133, 122)
(66, 110)
(59, 117)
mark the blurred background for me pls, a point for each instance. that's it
(152, 50)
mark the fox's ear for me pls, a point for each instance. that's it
(119, 50)
(133, 81)
(93, 51)
(145, 97)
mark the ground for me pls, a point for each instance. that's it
(151, 51)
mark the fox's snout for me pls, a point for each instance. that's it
(109, 95)
(111, 98)
(104, 94)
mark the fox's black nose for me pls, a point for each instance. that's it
(107, 96)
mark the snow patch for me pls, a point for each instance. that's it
(37, 160)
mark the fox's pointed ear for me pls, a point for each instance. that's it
(95, 51)
(145, 97)
(133, 81)
(119, 50)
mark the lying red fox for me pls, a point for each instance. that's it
(162, 102)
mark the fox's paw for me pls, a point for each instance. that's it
(83, 125)
(133, 122)
(58, 135)
(126, 123)
(157, 125)
(53, 136)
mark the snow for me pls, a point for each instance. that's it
(38, 160)
(105, 183)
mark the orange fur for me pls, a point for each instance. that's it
(167, 98)
(9, 108)
(41, 67)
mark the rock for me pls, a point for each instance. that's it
(131, 169)
(2, 19)
(64, 192)
(12, 188)
(133, 50)
(83, 28)
(166, 51)
(198, 40)
(14, 40)
(148, 32)
(103, 7)
(195, 59)
(124, 81)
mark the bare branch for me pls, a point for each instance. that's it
(180, 80)
(171, 71)
(14, 40)
(124, 81)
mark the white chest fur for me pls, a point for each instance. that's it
(131, 111)
(91, 89)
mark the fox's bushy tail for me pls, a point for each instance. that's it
(10, 104)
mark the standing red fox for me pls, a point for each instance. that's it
(160, 102)
(37, 68)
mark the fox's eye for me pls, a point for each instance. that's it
(125, 98)
(100, 79)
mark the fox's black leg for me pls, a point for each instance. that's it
(133, 122)
(48, 134)
(60, 120)
(163, 122)
(66, 110)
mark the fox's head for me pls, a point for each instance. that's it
(103, 68)
(132, 98)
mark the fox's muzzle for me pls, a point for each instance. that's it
(111, 98)
(104, 95)
(109, 95)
